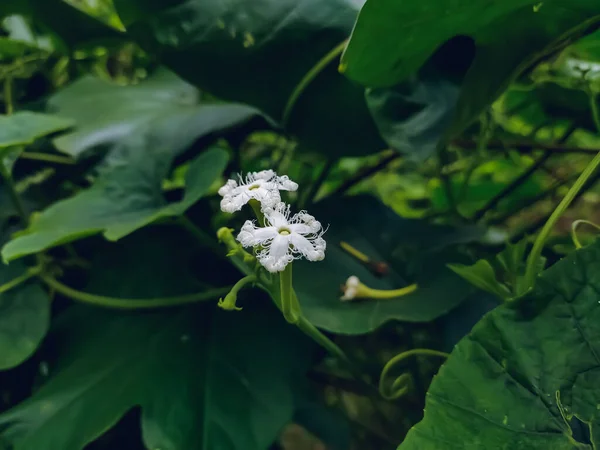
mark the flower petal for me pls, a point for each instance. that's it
(313, 250)
(278, 255)
(300, 228)
(251, 236)
(286, 184)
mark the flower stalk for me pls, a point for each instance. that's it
(229, 303)
(289, 304)
(354, 289)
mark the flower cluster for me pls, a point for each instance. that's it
(282, 237)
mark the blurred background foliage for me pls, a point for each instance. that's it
(145, 90)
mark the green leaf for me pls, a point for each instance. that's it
(73, 27)
(520, 378)
(24, 127)
(204, 378)
(229, 49)
(118, 110)
(413, 115)
(482, 275)
(414, 250)
(11, 49)
(125, 198)
(393, 39)
(24, 317)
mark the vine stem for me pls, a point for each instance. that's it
(574, 227)
(531, 270)
(400, 386)
(289, 307)
(130, 303)
(309, 77)
(8, 96)
(19, 280)
(47, 157)
(332, 348)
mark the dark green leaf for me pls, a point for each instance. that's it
(205, 379)
(229, 49)
(24, 127)
(413, 116)
(481, 274)
(127, 197)
(414, 250)
(526, 370)
(24, 317)
(118, 110)
(393, 39)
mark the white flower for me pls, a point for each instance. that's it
(350, 288)
(284, 239)
(263, 186)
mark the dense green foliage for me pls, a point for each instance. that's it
(445, 150)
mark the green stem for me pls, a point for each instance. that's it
(229, 303)
(309, 77)
(48, 157)
(130, 303)
(401, 384)
(8, 96)
(19, 280)
(574, 227)
(289, 307)
(332, 348)
(536, 252)
(256, 207)
(381, 294)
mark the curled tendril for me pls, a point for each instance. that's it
(574, 227)
(393, 389)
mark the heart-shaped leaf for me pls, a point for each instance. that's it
(527, 373)
(118, 110)
(414, 251)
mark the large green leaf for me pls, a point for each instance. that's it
(205, 378)
(230, 49)
(24, 317)
(127, 197)
(24, 127)
(117, 110)
(393, 39)
(527, 373)
(414, 251)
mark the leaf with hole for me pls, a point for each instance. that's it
(392, 40)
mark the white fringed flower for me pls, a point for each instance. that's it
(263, 186)
(350, 288)
(284, 239)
